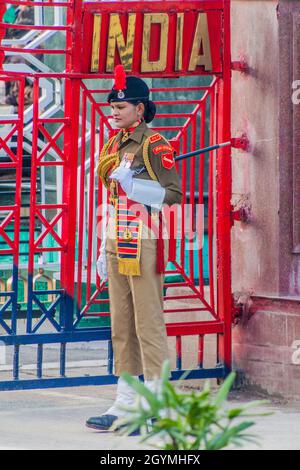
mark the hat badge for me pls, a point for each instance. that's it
(120, 81)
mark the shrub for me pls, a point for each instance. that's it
(191, 420)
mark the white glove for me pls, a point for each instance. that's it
(101, 267)
(147, 192)
(124, 176)
(101, 262)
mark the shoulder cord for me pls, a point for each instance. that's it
(107, 160)
(147, 159)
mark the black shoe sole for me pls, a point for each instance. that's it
(105, 429)
(98, 428)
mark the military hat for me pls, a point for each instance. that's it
(127, 88)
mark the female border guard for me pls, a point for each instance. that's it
(133, 262)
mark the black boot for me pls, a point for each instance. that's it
(102, 423)
(125, 396)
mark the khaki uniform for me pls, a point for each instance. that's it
(136, 302)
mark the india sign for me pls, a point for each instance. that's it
(157, 41)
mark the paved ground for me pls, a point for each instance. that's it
(54, 419)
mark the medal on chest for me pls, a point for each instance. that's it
(127, 160)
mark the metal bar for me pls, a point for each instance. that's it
(122, 7)
(218, 346)
(8, 165)
(33, 185)
(40, 4)
(84, 334)
(187, 310)
(34, 27)
(200, 351)
(176, 284)
(65, 120)
(70, 199)
(45, 249)
(96, 314)
(174, 102)
(16, 362)
(224, 191)
(210, 210)
(51, 206)
(194, 328)
(218, 372)
(100, 204)
(35, 51)
(179, 297)
(110, 358)
(192, 201)
(56, 163)
(81, 199)
(39, 371)
(7, 252)
(90, 224)
(9, 121)
(184, 188)
(178, 353)
(62, 360)
(201, 192)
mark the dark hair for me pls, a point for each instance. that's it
(150, 109)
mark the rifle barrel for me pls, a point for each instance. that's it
(204, 150)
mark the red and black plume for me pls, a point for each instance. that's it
(120, 80)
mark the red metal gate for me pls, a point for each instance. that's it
(198, 282)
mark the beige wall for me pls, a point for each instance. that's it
(254, 35)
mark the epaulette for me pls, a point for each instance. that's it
(162, 148)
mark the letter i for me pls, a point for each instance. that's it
(179, 41)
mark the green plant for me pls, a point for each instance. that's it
(188, 420)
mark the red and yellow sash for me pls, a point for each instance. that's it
(129, 234)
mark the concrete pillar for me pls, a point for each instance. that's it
(266, 252)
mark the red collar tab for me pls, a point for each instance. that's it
(131, 129)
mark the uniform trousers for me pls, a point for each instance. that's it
(139, 337)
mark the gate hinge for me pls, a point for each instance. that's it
(236, 312)
(241, 307)
(240, 65)
(241, 214)
(241, 142)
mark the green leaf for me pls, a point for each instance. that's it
(225, 389)
(143, 391)
(165, 374)
(222, 439)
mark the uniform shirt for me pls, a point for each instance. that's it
(161, 157)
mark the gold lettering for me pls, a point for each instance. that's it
(160, 64)
(96, 43)
(179, 41)
(201, 36)
(116, 38)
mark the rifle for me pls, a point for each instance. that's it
(138, 171)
